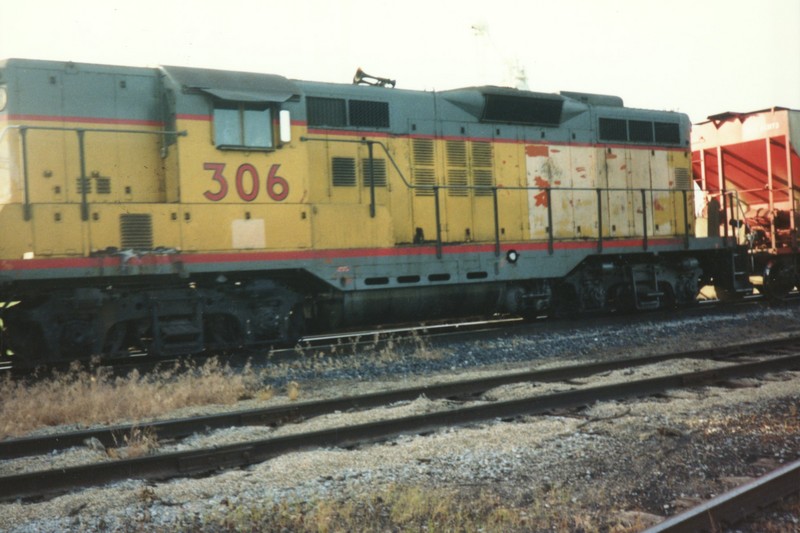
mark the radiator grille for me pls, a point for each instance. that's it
(136, 231)
(364, 113)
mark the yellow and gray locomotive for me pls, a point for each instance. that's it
(179, 209)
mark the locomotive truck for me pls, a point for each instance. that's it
(175, 210)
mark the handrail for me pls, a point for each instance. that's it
(436, 188)
(27, 212)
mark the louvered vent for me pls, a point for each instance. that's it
(457, 182)
(484, 181)
(380, 171)
(456, 154)
(683, 181)
(83, 185)
(423, 152)
(482, 176)
(136, 231)
(482, 154)
(424, 180)
(344, 171)
(103, 185)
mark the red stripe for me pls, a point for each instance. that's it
(323, 131)
(359, 134)
(187, 116)
(327, 255)
(87, 120)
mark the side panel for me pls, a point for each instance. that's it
(350, 227)
(157, 223)
(249, 227)
(58, 230)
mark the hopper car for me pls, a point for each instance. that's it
(174, 210)
(748, 169)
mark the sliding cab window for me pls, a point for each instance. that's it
(243, 126)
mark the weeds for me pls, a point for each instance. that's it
(415, 508)
(83, 397)
(138, 443)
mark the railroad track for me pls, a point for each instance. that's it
(735, 505)
(776, 355)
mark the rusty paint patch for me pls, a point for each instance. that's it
(611, 156)
(657, 205)
(536, 150)
(540, 199)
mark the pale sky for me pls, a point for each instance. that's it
(700, 57)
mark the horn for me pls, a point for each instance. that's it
(362, 78)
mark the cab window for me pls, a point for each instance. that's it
(242, 126)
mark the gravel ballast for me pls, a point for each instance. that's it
(615, 464)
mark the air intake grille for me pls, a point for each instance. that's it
(344, 172)
(136, 231)
(682, 180)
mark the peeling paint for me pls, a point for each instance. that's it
(536, 150)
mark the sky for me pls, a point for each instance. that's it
(699, 57)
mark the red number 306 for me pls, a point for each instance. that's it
(248, 183)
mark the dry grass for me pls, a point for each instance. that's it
(414, 508)
(85, 397)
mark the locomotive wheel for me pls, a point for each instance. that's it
(565, 301)
(727, 295)
(77, 339)
(27, 345)
(117, 340)
(623, 299)
(222, 330)
(295, 324)
(779, 279)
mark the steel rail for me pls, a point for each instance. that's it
(180, 428)
(733, 506)
(206, 461)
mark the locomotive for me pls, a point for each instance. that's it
(175, 210)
